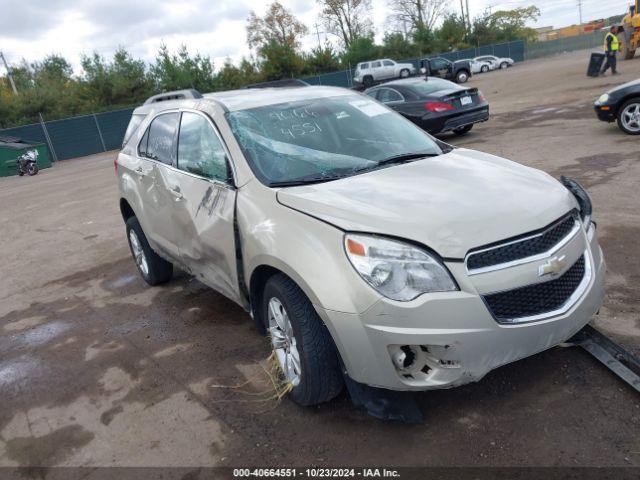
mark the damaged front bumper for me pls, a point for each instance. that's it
(444, 340)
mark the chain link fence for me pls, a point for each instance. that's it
(77, 136)
(101, 132)
(567, 44)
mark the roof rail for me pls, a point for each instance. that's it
(175, 95)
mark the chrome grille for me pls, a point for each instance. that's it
(531, 245)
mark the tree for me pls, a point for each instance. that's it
(505, 26)
(396, 45)
(179, 71)
(278, 26)
(321, 60)
(409, 15)
(347, 19)
(453, 31)
(360, 50)
(280, 61)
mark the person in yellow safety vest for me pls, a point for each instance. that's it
(611, 49)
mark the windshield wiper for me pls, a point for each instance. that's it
(306, 181)
(398, 159)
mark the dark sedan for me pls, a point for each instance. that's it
(621, 104)
(434, 104)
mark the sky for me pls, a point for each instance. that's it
(31, 29)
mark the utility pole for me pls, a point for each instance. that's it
(318, 35)
(468, 17)
(580, 10)
(9, 74)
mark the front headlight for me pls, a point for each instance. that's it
(603, 99)
(397, 270)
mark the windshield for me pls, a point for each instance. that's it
(325, 138)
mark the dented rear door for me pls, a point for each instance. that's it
(204, 205)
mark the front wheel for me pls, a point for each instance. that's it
(153, 268)
(32, 169)
(462, 77)
(629, 117)
(367, 81)
(463, 130)
(484, 69)
(302, 344)
(504, 65)
(404, 73)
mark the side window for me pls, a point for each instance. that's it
(388, 63)
(364, 66)
(375, 64)
(199, 149)
(142, 147)
(387, 95)
(438, 64)
(161, 133)
(134, 123)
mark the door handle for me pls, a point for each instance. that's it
(175, 191)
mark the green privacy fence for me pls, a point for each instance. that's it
(100, 132)
(568, 44)
(344, 78)
(77, 136)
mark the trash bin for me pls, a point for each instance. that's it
(595, 64)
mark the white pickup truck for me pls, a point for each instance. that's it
(368, 73)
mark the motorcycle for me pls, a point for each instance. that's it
(28, 163)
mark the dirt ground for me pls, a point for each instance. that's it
(97, 369)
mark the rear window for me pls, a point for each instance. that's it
(434, 84)
(363, 66)
(158, 142)
(134, 123)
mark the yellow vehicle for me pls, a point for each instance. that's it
(629, 34)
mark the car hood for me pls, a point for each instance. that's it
(634, 83)
(450, 203)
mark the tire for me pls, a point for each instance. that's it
(625, 52)
(32, 169)
(463, 130)
(484, 69)
(20, 173)
(504, 65)
(319, 378)
(629, 116)
(367, 81)
(404, 73)
(155, 270)
(462, 77)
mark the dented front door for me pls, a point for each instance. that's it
(204, 205)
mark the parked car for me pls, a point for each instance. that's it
(495, 62)
(621, 104)
(459, 71)
(368, 73)
(478, 67)
(358, 242)
(434, 104)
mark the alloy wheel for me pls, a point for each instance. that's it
(630, 117)
(138, 253)
(284, 342)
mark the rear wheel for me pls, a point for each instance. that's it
(404, 73)
(484, 69)
(629, 117)
(302, 344)
(153, 268)
(32, 169)
(367, 81)
(463, 130)
(504, 65)
(625, 52)
(462, 77)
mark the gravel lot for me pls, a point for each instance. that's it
(97, 369)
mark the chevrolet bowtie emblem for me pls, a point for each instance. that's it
(553, 267)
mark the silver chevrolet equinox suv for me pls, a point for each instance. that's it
(360, 244)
